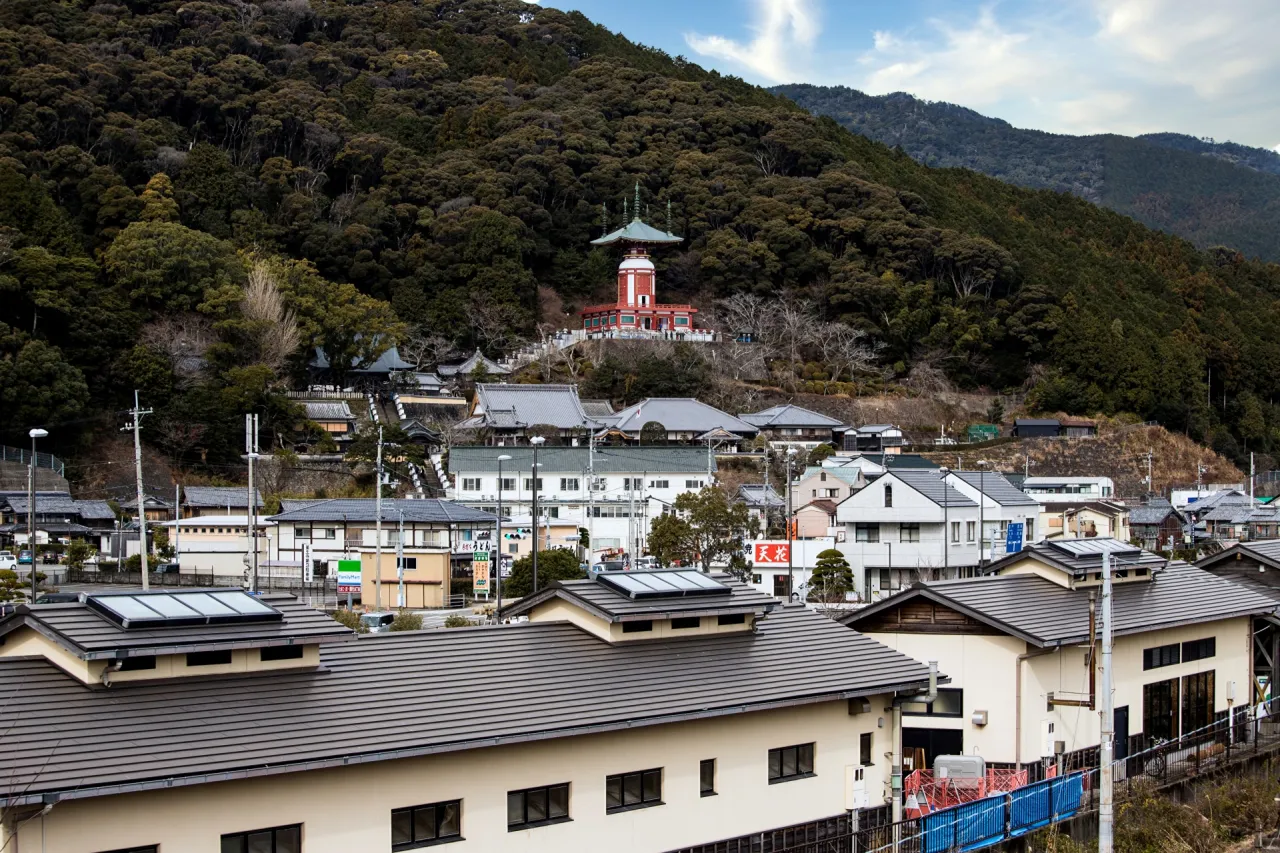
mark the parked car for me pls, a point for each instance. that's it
(645, 564)
(167, 568)
(377, 623)
(609, 566)
(25, 557)
(58, 598)
(8, 561)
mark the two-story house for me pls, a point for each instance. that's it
(821, 482)
(873, 438)
(789, 426)
(1001, 504)
(1156, 525)
(908, 526)
(614, 493)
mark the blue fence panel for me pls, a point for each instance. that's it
(1031, 807)
(980, 824)
(1067, 793)
(939, 830)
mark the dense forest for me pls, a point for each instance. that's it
(195, 194)
(1211, 193)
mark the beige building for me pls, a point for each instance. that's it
(426, 578)
(1084, 520)
(215, 544)
(1016, 645)
(681, 711)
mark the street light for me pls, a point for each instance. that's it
(982, 494)
(537, 441)
(31, 508)
(497, 554)
(946, 525)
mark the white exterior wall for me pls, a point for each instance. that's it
(996, 515)
(286, 543)
(909, 507)
(349, 809)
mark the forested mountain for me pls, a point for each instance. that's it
(1211, 193)
(180, 180)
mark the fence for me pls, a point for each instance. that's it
(43, 460)
(828, 835)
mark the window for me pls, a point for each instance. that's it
(599, 484)
(569, 484)
(823, 476)
(707, 776)
(137, 664)
(408, 563)
(271, 653)
(686, 622)
(628, 791)
(866, 533)
(421, 826)
(832, 493)
(969, 530)
(693, 484)
(513, 548)
(281, 839)
(888, 495)
(1199, 649)
(659, 484)
(528, 484)
(1161, 656)
(302, 532)
(537, 806)
(628, 318)
(638, 627)
(1160, 709)
(955, 531)
(732, 618)
(755, 579)
(790, 762)
(682, 321)
(208, 658)
(470, 484)
(950, 703)
(507, 484)
(1197, 701)
(864, 749)
(632, 484)
(908, 533)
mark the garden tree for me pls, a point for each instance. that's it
(704, 527)
(554, 564)
(822, 451)
(396, 447)
(831, 578)
(653, 433)
(406, 620)
(10, 586)
(165, 265)
(77, 552)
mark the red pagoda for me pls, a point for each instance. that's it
(637, 309)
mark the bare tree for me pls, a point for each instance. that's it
(745, 314)
(275, 324)
(426, 349)
(793, 327)
(845, 350)
(494, 323)
(184, 339)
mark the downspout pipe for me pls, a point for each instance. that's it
(926, 698)
(895, 712)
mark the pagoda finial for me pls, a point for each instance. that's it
(604, 216)
(668, 216)
(637, 211)
(624, 211)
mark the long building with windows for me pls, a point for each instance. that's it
(654, 711)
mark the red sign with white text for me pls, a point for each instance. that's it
(771, 553)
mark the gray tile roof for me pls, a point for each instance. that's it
(89, 635)
(1265, 552)
(96, 510)
(789, 416)
(465, 368)
(930, 484)
(597, 408)
(757, 494)
(996, 487)
(1080, 557)
(679, 414)
(218, 496)
(612, 606)
(1047, 614)
(1226, 497)
(371, 701)
(426, 511)
(608, 460)
(329, 411)
(872, 429)
(388, 361)
(530, 405)
(46, 505)
(290, 504)
(1154, 511)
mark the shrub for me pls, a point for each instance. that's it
(351, 619)
(1149, 823)
(1238, 807)
(454, 620)
(407, 620)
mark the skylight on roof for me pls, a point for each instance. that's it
(1090, 547)
(171, 609)
(663, 584)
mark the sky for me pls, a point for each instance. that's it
(1207, 68)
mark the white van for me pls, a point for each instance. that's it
(8, 561)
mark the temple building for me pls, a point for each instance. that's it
(637, 309)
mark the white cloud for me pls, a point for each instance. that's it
(783, 29)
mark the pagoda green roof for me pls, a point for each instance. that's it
(636, 231)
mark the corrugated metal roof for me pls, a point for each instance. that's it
(425, 511)
(574, 460)
(530, 405)
(611, 605)
(1046, 614)
(329, 411)
(848, 474)
(78, 628)
(790, 416)
(931, 485)
(371, 701)
(1037, 422)
(679, 414)
(218, 496)
(996, 487)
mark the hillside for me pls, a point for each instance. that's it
(196, 195)
(1210, 193)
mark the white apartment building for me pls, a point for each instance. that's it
(907, 526)
(1049, 490)
(614, 493)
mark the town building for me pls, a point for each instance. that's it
(1001, 505)
(830, 483)
(216, 545)
(788, 425)
(1067, 489)
(684, 420)
(782, 568)
(507, 415)
(1156, 525)
(334, 417)
(1037, 428)
(872, 438)
(59, 519)
(1084, 519)
(1016, 647)
(908, 526)
(156, 508)
(816, 519)
(1183, 498)
(670, 711)
(763, 504)
(460, 373)
(636, 311)
(613, 492)
(217, 500)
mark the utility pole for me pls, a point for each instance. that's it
(946, 523)
(982, 500)
(35, 433)
(791, 456)
(251, 511)
(1250, 478)
(591, 495)
(400, 559)
(495, 557)
(1107, 746)
(377, 528)
(1151, 486)
(537, 441)
(177, 524)
(137, 411)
